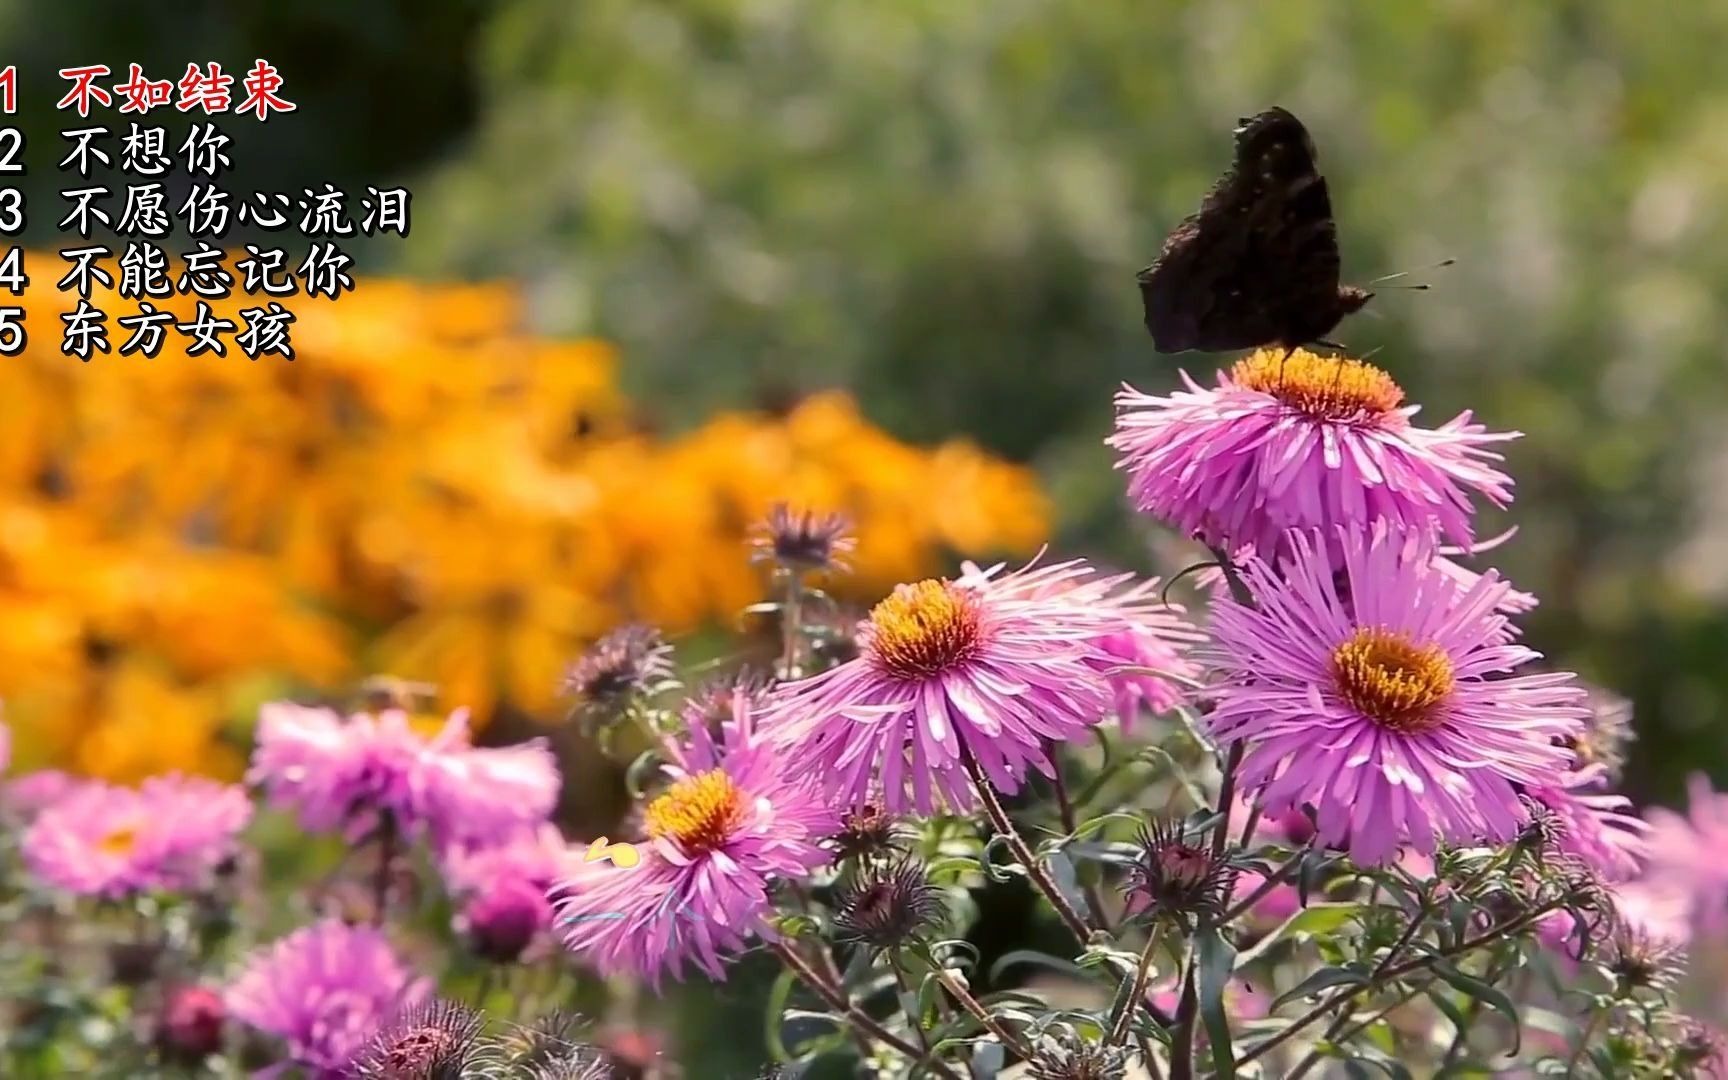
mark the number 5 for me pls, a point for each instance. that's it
(12, 335)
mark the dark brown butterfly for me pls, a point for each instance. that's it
(1258, 265)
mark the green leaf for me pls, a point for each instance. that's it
(1034, 958)
(1324, 979)
(1000, 872)
(1487, 995)
(959, 865)
(987, 1060)
(1453, 1013)
(777, 998)
(1062, 870)
(1216, 959)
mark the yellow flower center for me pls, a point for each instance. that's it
(1398, 683)
(1324, 387)
(120, 842)
(924, 629)
(700, 812)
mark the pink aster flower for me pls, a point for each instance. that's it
(991, 666)
(1144, 657)
(28, 795)
(324, 990)
(738, 815)
(1300, 441)
(1686, 854)
(538, 856)
(502, 888)
(1516, 602)
(1395, 713)
(1597, 827)
(345, 773)
(169, 834)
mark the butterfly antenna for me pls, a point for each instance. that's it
(1406, 273)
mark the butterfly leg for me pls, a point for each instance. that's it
(1288, 349)
(1338, 360)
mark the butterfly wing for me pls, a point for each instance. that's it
(1259, 262)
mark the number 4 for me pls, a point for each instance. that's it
(12, 276)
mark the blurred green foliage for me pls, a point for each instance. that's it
(943, 205)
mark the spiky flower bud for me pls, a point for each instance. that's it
(865, 831)
(436, 1041)
(1175, 879)
(803, 541)
(1070, 1057)
(885, 904)
(628, 664)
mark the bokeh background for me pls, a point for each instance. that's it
(673, 261)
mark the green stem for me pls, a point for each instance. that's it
(1182, 1036)
(1089, 886)
(1338, 1037)
(838, 1000)
(972, 1005)
(1004, 827)
(1182, 1048)
(1137, 992)
(1273, 880)
(790, 614)
(910, 1008)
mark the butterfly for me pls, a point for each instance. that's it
(1258, 264)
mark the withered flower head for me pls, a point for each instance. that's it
(884, 904)
(1070, 1057)
(1175, 878)
(629, 663)
(1542, 833)
(436, 1041)
(866, 830)
(803, 541)
(1642, 961)
(548, 1049)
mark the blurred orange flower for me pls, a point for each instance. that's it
(428, 489)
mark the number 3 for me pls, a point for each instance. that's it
(11, 211)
